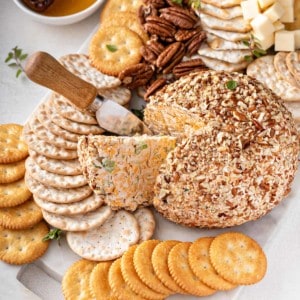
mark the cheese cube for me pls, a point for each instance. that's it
(262, 26)
(297, 38)
(266, 42)
(278, 26)
(265, 3)
(284, 40)
(288, 5)
(250, 9)
(275, 12)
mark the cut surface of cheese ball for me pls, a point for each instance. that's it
(124, 169)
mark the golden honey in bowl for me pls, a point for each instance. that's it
(61, 8)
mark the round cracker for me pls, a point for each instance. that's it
(15, 193)
(23, 246)
(57, 195)
(127, 44)
(293, 63)
(68, 111)
(12, 148)
(159, 261)
(46, 135)
(45, 148)
(57, 166)
(133, 280)
(182, 274)
(12, 172)
(146, 222)
(75, 282)
(120, 95)
(144, 268)
(99, 285)
(109, 240)
(22, 216)
(79, 222)
(200, 264)
(54, 180)
(81, 207)
(238, 258)
(118, 285)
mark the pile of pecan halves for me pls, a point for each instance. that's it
(175, 35)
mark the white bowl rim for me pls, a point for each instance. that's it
(34, 14)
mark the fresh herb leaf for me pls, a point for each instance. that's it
(108, 165)
(53, 234)
(195, 4)
(246, 43)
(139, 113)
(248, 58)
(139, 148)
(17, 56)
(231, 84)
(259, 52)
(179, 2)
(111, 48)
(255, 47)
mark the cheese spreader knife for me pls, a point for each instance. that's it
(44, 69)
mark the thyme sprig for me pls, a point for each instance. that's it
(15, 58)
(255, 47)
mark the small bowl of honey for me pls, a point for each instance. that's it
(58, 12)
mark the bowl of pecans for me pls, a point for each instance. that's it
(58, 12)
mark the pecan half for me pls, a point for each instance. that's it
(151, 50)
(193, 45)
(136, 75)
(188, 66)
(146, 11)
(156, 3)
(154, 87)
(183, 35)
(175, 60)
(168, 54)
(183, 18)
(159, 26)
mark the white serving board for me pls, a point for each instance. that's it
(43, 277)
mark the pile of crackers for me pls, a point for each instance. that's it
(21, 227)
(156, 270)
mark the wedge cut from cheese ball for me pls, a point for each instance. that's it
(123, 169)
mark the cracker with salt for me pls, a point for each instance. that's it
(15, 193)
(293, 63)
(118, 284)
(12, 172)
(221, 13)
(146, 222)
(75, 282)
(160, 265)
(109, 240)
(264, 71)
(46, 149)
(227, 35)
(23, 246)
(81, 222)
(121, 95)
(238, 258)
(12, 147)
(57, 166)
(144, 268)
(182, 274)
(282, 69)
(99, 286)
(233, 57)
(56, 195)
(133, 280)
(217, 43)
(200, 264)
(80, 207)
(115, 48)
(46, 135)
(22, 216)
(79, 64)
(223, 3)
(220, 65)
(54, 180)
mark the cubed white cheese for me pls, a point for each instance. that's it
(278, 26)
(262, 26)
(297, 38)
(275, 12)
(284, 40)
(265, 3)
(250, 9)
(266, 42)
(288, 16)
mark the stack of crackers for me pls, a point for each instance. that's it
(155, 270)
(21, 227)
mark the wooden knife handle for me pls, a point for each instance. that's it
(45, 70)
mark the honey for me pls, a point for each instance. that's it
(61, 8)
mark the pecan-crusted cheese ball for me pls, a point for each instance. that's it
(238, 153)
